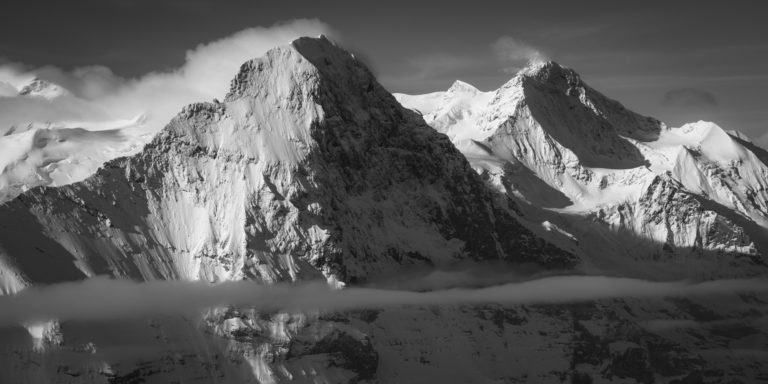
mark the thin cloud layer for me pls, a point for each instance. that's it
(104, 299)
(689, 98)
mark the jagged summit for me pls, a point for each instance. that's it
(548, 68)
(292, 88)
(543, 72)
(549, 101)
(553, 76)
(309, 60)
(43, 89)
(459, 87)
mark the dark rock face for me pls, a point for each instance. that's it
(349, 353)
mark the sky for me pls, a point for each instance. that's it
(678, 61)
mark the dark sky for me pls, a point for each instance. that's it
(676, 60)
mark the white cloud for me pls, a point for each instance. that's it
(86, 300)
(513, 51)
(7, 90)
(103, 95)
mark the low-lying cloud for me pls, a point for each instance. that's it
(689, 98)
(103, 298)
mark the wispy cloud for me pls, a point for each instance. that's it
(689, 98)
(513, 51)
(103, 298)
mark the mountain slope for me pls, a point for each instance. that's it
(307, 168)
(550, 141)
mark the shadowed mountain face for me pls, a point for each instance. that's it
(309, 169)
(584, 121)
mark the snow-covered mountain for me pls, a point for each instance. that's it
(43, 89)
(617, 182)
(309, 169)
(56, 154)
(61, 151)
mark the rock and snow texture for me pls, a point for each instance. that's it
(549, 140)
(43, 89)
(310, 169)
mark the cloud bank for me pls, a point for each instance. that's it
(104, 299)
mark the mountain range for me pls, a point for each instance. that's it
(310, 170)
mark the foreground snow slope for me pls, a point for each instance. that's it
(614, 181)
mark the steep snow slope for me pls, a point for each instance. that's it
(549, 140)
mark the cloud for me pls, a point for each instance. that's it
(103, 298)
(101, 95)
(7, 90)
(513, 51)
(689, 98)
(437, 64)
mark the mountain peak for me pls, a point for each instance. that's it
(536, 66)
(551, 73)
(306, 62)
(459, 86)
(43, 89)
